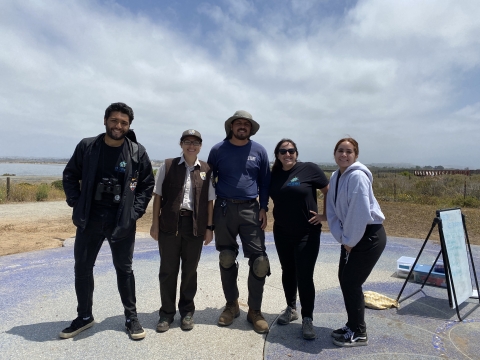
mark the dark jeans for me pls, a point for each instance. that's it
(242, 220)
(298, 252)
(87, 246)
(352, 273)
(173, 248)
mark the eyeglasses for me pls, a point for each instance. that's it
(284, 151)
(194, 143)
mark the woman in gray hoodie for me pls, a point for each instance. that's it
(355, 220)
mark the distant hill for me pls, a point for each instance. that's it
(33, 160)
(392, 165)
(157, 163)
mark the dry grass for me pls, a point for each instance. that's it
(21, 191)
(29, 235)
(414, 220)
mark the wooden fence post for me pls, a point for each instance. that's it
(395, 187)
(8, 187)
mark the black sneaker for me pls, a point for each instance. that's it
(187, 323)
(308, 331)
(337, 334)
(76, 327)
(135, 329)
(352, 338)
(164, 324)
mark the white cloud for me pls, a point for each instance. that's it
(386, 72)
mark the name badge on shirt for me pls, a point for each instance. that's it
(203, 175)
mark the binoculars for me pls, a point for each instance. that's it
(109, 186)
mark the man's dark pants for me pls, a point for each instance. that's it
(86, 249)
(240, 219)
(175, 247)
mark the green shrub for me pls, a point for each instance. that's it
(431, 187)
(469, 201)
(42, 192)
(155, 172)
(58, 184)
(405, 198)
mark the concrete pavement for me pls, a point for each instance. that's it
(38, 300)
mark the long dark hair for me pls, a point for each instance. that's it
(277, 165)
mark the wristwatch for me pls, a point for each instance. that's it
(211, 227)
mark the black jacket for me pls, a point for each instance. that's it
(79, 184)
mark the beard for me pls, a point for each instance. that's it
(241, 136)
(115, 136)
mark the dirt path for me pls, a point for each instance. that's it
(41, 225)
(44, 225)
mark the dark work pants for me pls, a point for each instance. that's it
(352, 273)
(87, 246)
(242, 220)
(298, 252)
(185, 247)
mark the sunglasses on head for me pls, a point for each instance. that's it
(284, 151)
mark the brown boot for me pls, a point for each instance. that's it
(255, 317)
(231, 311)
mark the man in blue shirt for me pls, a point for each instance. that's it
(242, 172)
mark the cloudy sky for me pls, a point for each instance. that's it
(402, 77)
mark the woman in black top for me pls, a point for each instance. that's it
(296, 229)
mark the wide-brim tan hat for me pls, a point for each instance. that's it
(241, 114)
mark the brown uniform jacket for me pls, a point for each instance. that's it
(172, 196)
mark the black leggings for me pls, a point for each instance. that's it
(298, 252)
(354, 269)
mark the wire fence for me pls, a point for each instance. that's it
(434, 188)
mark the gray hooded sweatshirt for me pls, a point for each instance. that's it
(355, 206)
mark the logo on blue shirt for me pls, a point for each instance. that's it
(121, 167)
(294, 182)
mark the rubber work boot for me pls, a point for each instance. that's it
(255, 317)
(231, 311)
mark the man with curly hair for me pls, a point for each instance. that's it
(108, 182)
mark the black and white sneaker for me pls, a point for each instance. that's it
(135, 329)
(76, 327)
(352, 338)
(337, 334)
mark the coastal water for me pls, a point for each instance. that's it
(26, 169)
